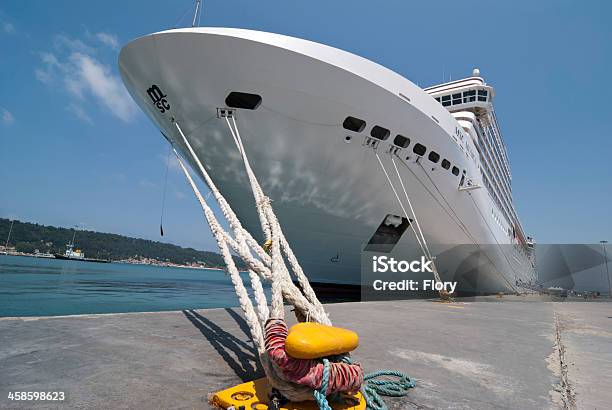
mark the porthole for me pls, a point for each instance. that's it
(446, 164)
(348, 139)
(354, 124)
(380, 133)
(455, 171)
(419, 149)
(401, 141)
(434, 157)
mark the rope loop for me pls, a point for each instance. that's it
(374, 389)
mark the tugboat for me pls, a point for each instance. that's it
(76, 254)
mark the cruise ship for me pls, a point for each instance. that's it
(357, 159)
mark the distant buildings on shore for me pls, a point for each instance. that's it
(135, 260)
(141, 260)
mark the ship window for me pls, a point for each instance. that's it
(434, 157)
(457, 98)
(380, 133)
(243, 100)
(469, 96)
(401, 141)
(354, 124)
(446, 100)
(455, 171)
(419, 149)
(438, 99)
(388, 234)
(445, 164)
(482, 95)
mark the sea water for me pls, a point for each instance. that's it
(49, 287)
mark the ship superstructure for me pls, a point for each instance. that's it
(470, 101)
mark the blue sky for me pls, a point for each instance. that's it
(74, 149)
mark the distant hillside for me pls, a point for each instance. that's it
(27, 237)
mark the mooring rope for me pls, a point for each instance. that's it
(420, 237)
(375, 387)
(296, 379)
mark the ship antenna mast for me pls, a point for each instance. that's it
(9, 237)
(74, 234)
(196, 14)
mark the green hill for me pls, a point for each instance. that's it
(27, 237)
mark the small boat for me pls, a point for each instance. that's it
(76, 254)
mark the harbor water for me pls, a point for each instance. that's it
(49, 287)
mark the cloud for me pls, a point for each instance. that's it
(8, 27)
(49, 59)
(108, 39)
(46, 74)
(79, 112)
(63, 42)
(7, 117)
(97, 79)
(43, 76)
(85, 77)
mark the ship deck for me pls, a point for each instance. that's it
(472, 354)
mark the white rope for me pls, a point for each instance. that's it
(420, 237)
(270, 267)
(416, 219)
(269, 220)
(241, 292)
(244, 242)
(400, 202)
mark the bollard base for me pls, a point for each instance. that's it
(255, 395)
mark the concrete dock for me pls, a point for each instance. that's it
(510, 353)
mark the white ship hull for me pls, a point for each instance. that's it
(330, 195)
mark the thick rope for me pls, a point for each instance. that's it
(244, 240)
(276, 272)
(269, 221)
(374, 387)
(320, 394)
(241, 292)
(297, 379)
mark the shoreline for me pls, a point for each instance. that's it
(160, 264)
